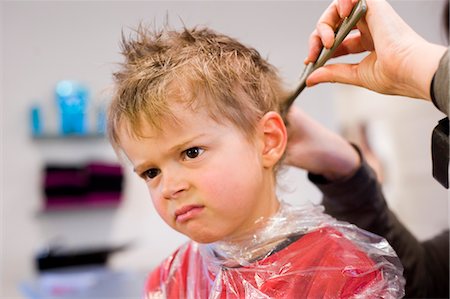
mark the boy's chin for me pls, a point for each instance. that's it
(204, 239)
(204, 236)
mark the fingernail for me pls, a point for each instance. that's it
(339, 9)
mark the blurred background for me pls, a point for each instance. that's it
(61, 184)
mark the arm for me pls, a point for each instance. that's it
(359, 200)
(352, 193)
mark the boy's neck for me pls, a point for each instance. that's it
(253, 244)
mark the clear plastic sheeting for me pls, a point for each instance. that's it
(298, 253)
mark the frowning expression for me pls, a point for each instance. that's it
(206, 179)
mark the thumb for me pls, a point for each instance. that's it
(335, 73)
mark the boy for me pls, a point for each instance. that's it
(196, 114)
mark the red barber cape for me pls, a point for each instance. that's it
(320, 264)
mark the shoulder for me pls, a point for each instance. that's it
(328, 253)
(330, 246)
(325, 262)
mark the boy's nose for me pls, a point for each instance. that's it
(173, 186)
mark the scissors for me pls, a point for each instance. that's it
(341, 32)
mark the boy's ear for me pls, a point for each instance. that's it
(274, 138)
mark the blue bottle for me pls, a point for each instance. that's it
(72, 99)
(36, 120)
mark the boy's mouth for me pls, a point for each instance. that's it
(188, 212)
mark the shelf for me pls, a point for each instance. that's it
(83, 209)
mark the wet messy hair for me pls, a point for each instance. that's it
(197, 67)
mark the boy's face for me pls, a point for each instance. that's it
(206, 180)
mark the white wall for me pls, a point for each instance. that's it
(43, 42)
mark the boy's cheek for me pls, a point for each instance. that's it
(157, 204)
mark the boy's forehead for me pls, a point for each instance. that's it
(180, 116)
(183, 105)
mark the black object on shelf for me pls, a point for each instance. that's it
(95, 184)
(60, 257)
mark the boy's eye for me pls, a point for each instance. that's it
(193, 152)
(151, 173)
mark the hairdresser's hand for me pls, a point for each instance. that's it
(400, 61)
(318, 150)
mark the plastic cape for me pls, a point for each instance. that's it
(298, 253)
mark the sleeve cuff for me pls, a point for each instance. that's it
(439, 88)
(349, 192)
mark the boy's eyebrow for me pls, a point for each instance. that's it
(175, 148)
(183, 144)
(187, 141)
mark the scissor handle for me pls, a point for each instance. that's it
(341, 32)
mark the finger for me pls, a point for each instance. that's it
(351, 45)
(331, 15)
(345, 7)
(323, 35)
(335, 73)
(366, 36)
(326, 34)
(315, 45)
(327, 24)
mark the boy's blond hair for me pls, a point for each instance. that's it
(198, 67)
